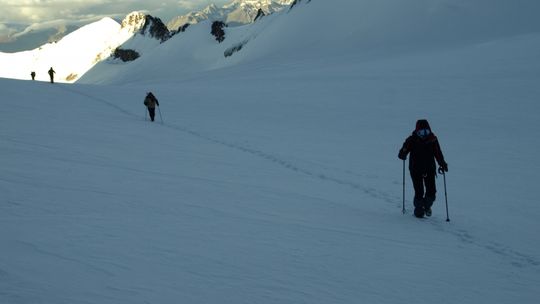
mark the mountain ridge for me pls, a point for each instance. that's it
(238, 12)
(388, 26)
(76, 53)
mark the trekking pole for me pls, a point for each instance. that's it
(160, 117)
(445, 193)
(403, 187)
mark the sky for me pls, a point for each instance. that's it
(17, 16)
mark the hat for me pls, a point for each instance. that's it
(422, 124)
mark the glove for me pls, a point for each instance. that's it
(402, 155)
(443, 168)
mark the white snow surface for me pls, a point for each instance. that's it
(275, 178)
(75, 54)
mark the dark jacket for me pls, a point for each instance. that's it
(151, 101)
(424, 151)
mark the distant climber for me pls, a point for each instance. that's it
(150, 102)
(51, 74)
(424, 149)
(33, 75)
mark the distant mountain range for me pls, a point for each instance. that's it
(238, 12)
(30, 37)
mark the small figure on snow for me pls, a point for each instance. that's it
(150, 102)
(51, 74)
(424, 149)
(33, 75)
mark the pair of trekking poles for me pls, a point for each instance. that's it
(445, 193)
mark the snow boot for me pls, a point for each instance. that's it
(418, 207)
(428, 202)
(419, 212)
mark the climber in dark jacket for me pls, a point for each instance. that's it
(424, 149)
(51, 74)
(150, 101)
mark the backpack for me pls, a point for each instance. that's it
(147, 100)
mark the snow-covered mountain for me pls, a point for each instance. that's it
(271, 175)
(370, 30)
(145, 25)
(138, 34)
(76, 53)
(235, 13)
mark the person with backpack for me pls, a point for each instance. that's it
(150, 102)
(33, 75)
(424, 149)
(51, 74)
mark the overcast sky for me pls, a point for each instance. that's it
(45, 12)
(36, 11)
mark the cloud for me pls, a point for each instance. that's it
(34, 11)
(6, 33)
(191, 5)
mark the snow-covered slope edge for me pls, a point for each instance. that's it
(71, 57)
(360, 30)
(76, 53)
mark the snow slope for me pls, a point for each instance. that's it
(276, 180)
(75, 54)
(70, 57)
(333, 30)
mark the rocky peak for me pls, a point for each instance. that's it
(154, 27)
(237, 12)
(146, 25)
(210, 9)
(134, 22)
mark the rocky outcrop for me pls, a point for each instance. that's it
(133, 22)
(260, 14)
(125, 55)
(183, 28)
(217, 30)
(295, 2)
(155, 28)
(235, 48)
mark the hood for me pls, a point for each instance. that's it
(422, 124)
